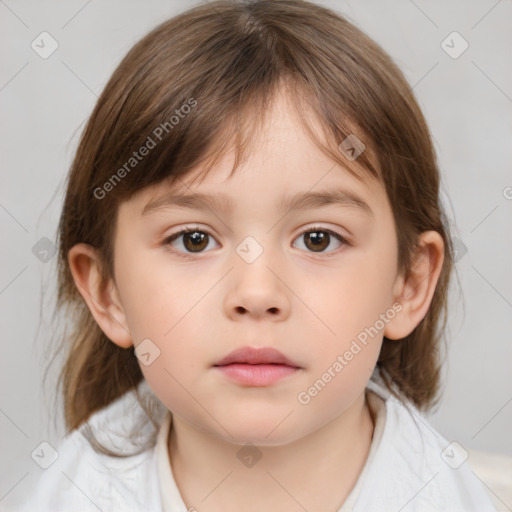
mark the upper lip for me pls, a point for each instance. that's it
(250, 355)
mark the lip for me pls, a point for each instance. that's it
(256, 367)
(250, 355)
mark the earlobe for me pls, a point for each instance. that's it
(415, 292)
(101, 298)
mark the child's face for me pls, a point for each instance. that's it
(311, 306)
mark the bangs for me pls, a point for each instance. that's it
(241, 127)
(184, 113)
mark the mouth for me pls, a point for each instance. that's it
(263, 356)
(256, 367)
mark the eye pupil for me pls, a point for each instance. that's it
(197, 239)
(318, 239)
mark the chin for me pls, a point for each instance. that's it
(261, 431)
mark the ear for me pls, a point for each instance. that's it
(101, 298)
(415, 293)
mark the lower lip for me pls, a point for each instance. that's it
(256, 374)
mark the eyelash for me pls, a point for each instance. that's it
(174, 236)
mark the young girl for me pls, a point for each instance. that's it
(256, 262)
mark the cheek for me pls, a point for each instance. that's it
(156, 294)
(351, 305)
(165, 305)
(181, 372)
(178, 337)
(345, 355)
(354, 296)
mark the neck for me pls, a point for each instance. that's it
(316, 472)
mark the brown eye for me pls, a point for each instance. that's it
(195, 241)
(318, 240)
(189, 241)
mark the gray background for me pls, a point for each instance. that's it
(468, 104)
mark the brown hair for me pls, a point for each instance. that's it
(225, 60)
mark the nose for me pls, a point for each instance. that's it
(257, 290)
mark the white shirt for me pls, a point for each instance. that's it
(410, 468)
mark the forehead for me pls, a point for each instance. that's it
(282, 165)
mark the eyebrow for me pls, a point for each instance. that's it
(222, 202)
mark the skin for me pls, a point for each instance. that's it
(198, 307)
